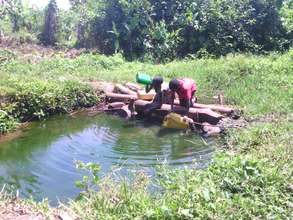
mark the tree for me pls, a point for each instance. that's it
(49, 34)
(86, 12)
(13, 9)
(287, 18)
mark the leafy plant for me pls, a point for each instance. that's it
(88, 181)
(7, 123)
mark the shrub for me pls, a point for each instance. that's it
(7, 123)
(39, 99)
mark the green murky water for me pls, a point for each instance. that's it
(40, 162)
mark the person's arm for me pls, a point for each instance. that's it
(160, 99)
(187, 106)
(193, 98)
(148, 88)
(172, 100)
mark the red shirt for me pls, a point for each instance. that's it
(187, 87)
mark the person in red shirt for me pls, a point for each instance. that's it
(185, 88)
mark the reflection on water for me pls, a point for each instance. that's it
(40, 162)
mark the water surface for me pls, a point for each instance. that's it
(40, 162)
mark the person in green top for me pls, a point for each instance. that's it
(158, 99)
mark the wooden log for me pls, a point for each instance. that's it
(197, 114)
(124, 90)
(221, 109)
(146, 96)
(123, 112)
(114, 105)
(217, 108)
(100, 86)
(116, 97)
(133, 86)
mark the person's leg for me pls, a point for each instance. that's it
(152, 107)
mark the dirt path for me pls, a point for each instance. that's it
(17, 209)
(34, 53)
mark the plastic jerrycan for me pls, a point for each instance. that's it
(174, 120)
(143, 78)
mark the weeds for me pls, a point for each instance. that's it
(255, 183)
(233, 187)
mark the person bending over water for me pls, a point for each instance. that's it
(158, 99)
(185, 88)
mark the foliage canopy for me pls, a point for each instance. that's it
(160, 30)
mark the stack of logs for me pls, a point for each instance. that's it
(130, 99)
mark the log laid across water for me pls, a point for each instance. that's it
(217, 108)
(123, 112)
(133, 86)
(197, 114)
(126, 97)
(116, 97)
(124, 90)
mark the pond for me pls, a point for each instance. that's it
(41, 161)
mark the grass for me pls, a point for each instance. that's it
(250, 178)
(258, 85)
(254, 181)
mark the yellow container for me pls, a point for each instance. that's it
(174, 120)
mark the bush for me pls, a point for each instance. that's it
(36, 99)
(39, 99)
(7, 123)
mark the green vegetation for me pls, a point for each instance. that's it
(25, 96)
(48, 35)
(7, 123)
(26, 101)
(250, 176)
(259, 85)
(253, 179)
(155, 30)
(254, 183)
